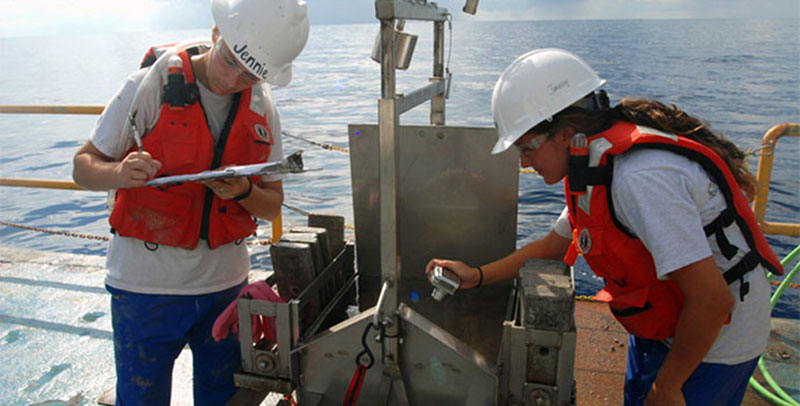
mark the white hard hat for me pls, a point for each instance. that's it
(534, 88)
(265, 35)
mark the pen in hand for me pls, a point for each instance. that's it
(135, 132)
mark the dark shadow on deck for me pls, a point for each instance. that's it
(59, 327)
(51, 284)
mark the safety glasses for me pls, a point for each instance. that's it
(230, 60)
(531, 146)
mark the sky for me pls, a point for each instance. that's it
(48, 17)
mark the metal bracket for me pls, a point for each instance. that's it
(410, 10)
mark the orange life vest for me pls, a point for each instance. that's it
(181, 140)
(646, 306)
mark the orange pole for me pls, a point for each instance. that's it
(277, 228)
(763, 177)
(50, 109)
(40, 183)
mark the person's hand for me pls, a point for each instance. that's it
(136, 169)
(469, 276)
(662, 396)
(228, 188)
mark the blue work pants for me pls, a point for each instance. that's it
(149, 333)
(709, 384)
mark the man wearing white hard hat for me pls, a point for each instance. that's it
(673, 236)
(177, 257)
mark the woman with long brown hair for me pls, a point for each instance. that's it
(657, 205)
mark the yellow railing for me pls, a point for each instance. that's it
(40, 183)
(52, 109)
(277, 223)
(763, 177)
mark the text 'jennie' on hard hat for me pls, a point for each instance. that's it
(264, 35)
(535, 87)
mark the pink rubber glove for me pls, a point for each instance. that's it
(262, 326)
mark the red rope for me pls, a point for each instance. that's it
(355, 385)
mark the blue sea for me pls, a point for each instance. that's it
(741, 76)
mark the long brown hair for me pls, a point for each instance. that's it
(666, 118)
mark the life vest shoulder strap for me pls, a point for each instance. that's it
(155, 51)
(717, 229)
(582, 176)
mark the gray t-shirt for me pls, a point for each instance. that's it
(665, 199)
(170, 270)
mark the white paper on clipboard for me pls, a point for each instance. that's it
(291, 164)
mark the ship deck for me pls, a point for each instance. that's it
(56, 339)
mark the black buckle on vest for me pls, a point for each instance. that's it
(737, 272)
(717, 227)
(177, 93)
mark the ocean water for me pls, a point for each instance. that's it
(741, 76)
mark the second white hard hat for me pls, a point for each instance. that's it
(265, 35)
(535, 87)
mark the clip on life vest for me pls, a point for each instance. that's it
(578, 160)
(579, 172)
(177, 93)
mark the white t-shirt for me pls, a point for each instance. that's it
(170, 270)
(665, 200)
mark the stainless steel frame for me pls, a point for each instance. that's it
(455, 201)
(388, 121)
(436, 186)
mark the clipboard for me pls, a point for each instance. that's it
(291, 164)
